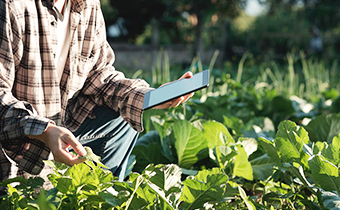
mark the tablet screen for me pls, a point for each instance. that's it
(176, 89)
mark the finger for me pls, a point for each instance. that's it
(69, 157)
(76, 145)
(187, 97)
(177, 101)
(66, 157)
(186, 75)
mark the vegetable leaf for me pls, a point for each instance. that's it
(90, 156)
(189, 143)
(204, 187)
(242, 166)
(330, 200)
(325, 174)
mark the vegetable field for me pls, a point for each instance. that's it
(264, 138)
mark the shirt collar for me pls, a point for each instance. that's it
(76, 5)
(57, 7)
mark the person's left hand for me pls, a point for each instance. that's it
(177, 101)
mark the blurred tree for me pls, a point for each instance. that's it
(136, 14)
(201, 11)
(275, 34)
(183, 20)
(323, 13)
(322, 16)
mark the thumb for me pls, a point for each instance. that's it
(186, 75)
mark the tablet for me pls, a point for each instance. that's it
(176, 89)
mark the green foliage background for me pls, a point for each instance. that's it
(263, 135)
(223, 25)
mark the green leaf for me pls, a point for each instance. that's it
(242, 167)
(212, 132)
(289, 142)
(249, 145)
(231, 190)
(50, 163)
(233, 123)
(14, 200)
(165, 202)
(124, 189)
(261, 126)
(131, 163)
(148, 149)
(53, 178)
(161, 125)
(244, 196)
(148, 138)
(43, 202)
(263, 167)
(300, 174)
(332, 151)
(318, 147)
(35, 182)
(281, 107)
(81, 175)
(223, 155)
(147, 155)
(90, 156)
(167, 178)
(189, 172)
(109, 198)
(324, 128)
(16, 179)
(65, 185)
(330, 200)
(270, 150)
(166, 182)
(96, 174)
(145, 197)
(204, 187)
(163, 129)
(189, 143)
(56, 165)
(139, 180)
(52, 197)
(325, 174)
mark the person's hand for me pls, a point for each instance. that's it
(177, 101)
(58, 139)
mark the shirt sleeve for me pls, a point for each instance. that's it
(107, 86)
(17, 118)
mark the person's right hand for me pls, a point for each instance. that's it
(58, 139)
(177, 101)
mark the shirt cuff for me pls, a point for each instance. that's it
(134, 111)
(35, 124)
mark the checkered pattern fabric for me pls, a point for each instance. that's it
(31, 95)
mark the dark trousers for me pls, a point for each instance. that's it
(110, 137)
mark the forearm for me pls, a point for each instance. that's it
(109, 87)
(18, 118)
(117, 92)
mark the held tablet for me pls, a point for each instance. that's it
(176, 89)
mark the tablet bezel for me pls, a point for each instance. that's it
(205, 83)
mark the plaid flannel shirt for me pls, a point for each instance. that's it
(31, 96)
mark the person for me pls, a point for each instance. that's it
(60, 90)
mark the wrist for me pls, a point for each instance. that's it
(42, 137)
